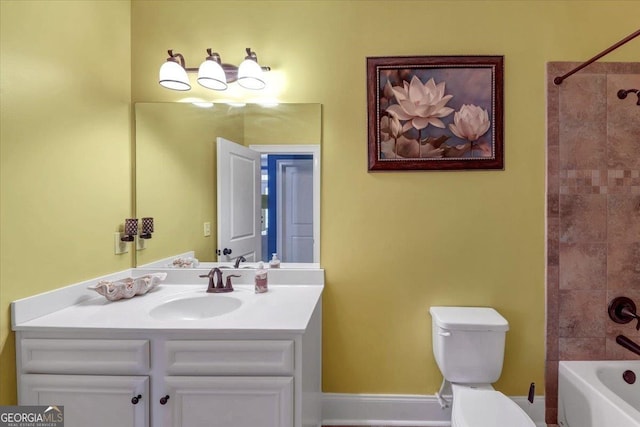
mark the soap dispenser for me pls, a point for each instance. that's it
(275, 262)
(261, 285)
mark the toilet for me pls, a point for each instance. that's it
(468, 345)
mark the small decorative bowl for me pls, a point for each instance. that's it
(128, 287)
(184, 263)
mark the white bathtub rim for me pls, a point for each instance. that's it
(583, 373)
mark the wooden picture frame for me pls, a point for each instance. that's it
(435, 112)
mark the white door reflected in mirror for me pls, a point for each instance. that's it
(279, 214)
(238, 202)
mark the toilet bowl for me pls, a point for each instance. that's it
(485, 407)
(468, 346)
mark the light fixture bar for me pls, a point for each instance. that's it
(212, 73)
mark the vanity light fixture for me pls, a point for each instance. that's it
(173, 74)
(250, 73)
(212, 73)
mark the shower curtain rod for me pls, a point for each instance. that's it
(558, 80)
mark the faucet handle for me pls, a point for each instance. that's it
(623, 310)
(210, 276)
(633, 315)
(229, 285)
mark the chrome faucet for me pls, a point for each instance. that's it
(238, 261)
(215, 281)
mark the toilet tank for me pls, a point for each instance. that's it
(468, 343)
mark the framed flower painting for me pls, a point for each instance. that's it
(435, 112)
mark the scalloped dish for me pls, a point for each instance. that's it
(128, 287)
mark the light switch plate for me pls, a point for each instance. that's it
(207, 229)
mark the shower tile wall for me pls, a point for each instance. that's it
(593, 213)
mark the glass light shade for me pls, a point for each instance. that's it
(174, 76)
(212, 76)
(250, 75)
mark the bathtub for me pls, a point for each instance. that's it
(594, 394)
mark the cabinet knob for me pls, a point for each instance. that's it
(136, 399)
(163, 400)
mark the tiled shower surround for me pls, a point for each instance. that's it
(593, 214)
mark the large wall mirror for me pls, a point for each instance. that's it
(178, 183)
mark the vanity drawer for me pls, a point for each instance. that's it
(259, 357)
(68, 356)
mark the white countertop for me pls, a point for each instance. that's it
(284, 308)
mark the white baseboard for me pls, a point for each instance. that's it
(401, 410)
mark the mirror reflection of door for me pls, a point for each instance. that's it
(289, 214)
(175, 167)
(265, 205)
(239, 206)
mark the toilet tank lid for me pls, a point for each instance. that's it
(469, 318)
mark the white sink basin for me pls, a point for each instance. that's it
(194, 308)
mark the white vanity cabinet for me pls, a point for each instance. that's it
(99, 382)
(115, 364)
(228, 401)
(91, 400)
(174, 378)
(221, 383)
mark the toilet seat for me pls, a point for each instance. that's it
(486, 408)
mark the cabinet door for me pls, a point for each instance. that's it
(91, 400)
(228, 402)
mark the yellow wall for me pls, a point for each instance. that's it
(177, 185)
(65, 149)
(392, 243)
(395, 243)
(288, 124)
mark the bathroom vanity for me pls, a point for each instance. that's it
(148, 361)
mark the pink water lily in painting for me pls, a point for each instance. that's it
(390, 125)
(413, 107)
(421, 104)
(470, 123)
